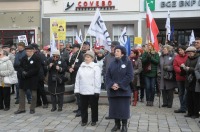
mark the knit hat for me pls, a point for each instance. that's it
(122, 48)
(90, 53)
(191, 49)
(56, 52)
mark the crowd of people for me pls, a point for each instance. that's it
(144, 72)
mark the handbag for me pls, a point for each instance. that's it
(169, 75)
(11, 79)
(147, 68)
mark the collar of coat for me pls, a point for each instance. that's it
(4, 59)
(91, 64)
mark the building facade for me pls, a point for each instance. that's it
(117, 14)
(19, 17)
(79, 13)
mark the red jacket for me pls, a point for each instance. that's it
(178, 60)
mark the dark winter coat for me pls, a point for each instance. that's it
(65, 55)
(32, 68)
(137, 67)
(120, 72)
(43, 64)
(56, 79)
(166, 61)
(18, 57)
(153, 60)
(190, 74)
(197, 73)
(106, 63)
(77, 64)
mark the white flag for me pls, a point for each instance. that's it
(98, 29)
(78, 40)
(32, 39)
(123, 37)
(80, 36)
(168, 27)
(53, 44)
(192, 38)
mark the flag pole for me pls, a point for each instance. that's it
(80, 49)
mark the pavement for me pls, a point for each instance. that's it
(143, 119)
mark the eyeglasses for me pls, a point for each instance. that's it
(55, 56)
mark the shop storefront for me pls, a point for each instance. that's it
(184, 17)
(117, 14)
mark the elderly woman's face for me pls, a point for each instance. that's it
(118, 53)
(190, 54)
(165, 51)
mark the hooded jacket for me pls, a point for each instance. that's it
(88, 79)
(6, 69)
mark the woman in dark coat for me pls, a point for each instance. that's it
(118, 78)
(56, 80)
(189, 70)
(167, 83)
(137, 66)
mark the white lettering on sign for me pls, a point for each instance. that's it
(181, 3)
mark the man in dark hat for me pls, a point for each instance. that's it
(85, 47)
(18, 57)
(29, 71)
(108, 59)
(41, 94)
(73, 66)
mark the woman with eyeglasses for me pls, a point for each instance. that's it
(6, 69)
(56, 80)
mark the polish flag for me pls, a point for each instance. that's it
(152, 26)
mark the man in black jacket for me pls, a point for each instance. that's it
(73, 66)
(18, 57)
(41, 94)
(29, 72)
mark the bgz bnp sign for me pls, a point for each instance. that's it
(179, 5)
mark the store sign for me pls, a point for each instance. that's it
(178, 5)
(181, 3)
(93, 4)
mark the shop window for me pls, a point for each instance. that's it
(70, 34)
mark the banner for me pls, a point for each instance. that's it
(58, 28)
(22, 38)
(138, 40)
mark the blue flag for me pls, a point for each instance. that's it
(128, 46)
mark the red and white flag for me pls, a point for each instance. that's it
(151, 24)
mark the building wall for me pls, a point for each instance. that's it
(21, 15)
